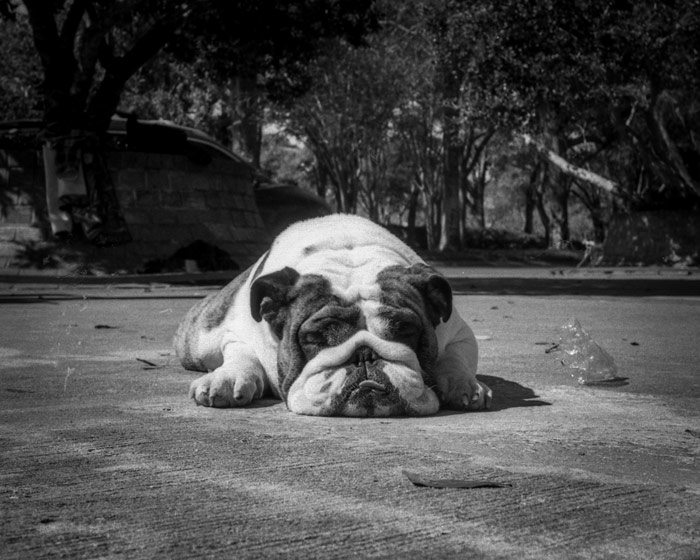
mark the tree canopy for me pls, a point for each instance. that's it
(411, 110)
(89, 49)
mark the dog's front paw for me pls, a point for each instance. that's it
(469, 395)
(224, 389)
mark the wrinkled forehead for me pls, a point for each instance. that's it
(364, 295)
(353, 272)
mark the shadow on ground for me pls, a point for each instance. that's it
(509, 394)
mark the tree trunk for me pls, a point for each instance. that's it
(450, 218)
(341, 202)
(560, 217)
(450, 222)
(246, 130)
(480, 213)
(78, 109)
(558, 185)
(463, 208)
(531, 199)
(599, 227)
(529, 212)
(321, 177)
(481, 170)
(433, 220)
(412, 215)
(541, 207)
(58, 65)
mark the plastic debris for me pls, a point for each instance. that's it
(591, 363)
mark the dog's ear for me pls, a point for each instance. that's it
(435, 289)
(269, 297)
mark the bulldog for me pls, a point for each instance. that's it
(338, 318)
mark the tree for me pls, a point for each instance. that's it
(20, 73)
(345, 120)
(422, 149)
(89, 49)
(599, 72)
(654, 98)
(441, 95)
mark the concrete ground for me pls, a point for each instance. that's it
(103, 455)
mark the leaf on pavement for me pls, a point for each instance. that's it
(419, 480)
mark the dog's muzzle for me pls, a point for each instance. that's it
(364, 376)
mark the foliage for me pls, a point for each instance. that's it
(345, 118)
(184, 93)
(20, 73)
(289, 161)
(450, 114)
(90, 48)
(229, 60)
(270, 40)
(615, 71)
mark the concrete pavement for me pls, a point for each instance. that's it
(103, 455)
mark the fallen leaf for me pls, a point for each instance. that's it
(146, 362)
(419, 480)
(149, 365)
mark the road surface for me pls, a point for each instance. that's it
(104, 456)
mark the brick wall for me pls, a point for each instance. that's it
(168, 202)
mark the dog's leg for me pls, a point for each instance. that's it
(236, 382)
(199, 336)
(455, 373)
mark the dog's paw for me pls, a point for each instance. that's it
(469, 395)
(223, 389)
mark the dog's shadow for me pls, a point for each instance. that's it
(509, 394)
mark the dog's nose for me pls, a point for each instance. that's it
(365, 355)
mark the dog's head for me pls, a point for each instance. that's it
(371, 354)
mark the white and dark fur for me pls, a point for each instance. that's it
(339, 317)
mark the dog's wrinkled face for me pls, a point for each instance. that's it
(369, 357)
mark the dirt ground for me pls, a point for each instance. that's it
(104, 456)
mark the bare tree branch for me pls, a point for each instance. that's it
(569, 168)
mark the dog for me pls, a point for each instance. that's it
(338, 318)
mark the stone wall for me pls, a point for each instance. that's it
(168, 202)
(23, 218)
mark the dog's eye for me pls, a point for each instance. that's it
(325, 333)
(404, 330)
(313, 339)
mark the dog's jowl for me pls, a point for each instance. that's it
(340, 318)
